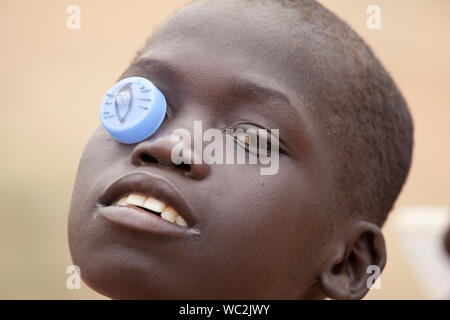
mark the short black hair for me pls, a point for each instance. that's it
(362, 116)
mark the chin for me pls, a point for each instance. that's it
(121, 282)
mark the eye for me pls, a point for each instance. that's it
(254, 140)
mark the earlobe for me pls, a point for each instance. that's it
(334, 281)
(335, 285)
(359, 246)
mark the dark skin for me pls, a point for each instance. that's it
(259, 237)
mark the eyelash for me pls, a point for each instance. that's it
(247, 146)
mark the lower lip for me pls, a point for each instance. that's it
(142, 221)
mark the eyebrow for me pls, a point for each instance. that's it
(258, 90)
(238, 85)
(160, 66)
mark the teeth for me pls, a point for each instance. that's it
(136, 199)
(154, 205)
(180, 221)
(169, 214)
(122, 201)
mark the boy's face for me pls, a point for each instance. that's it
(256, 236)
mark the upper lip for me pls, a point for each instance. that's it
(151, 185)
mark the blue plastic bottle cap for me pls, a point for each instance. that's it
(132, 110)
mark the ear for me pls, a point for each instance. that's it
(359, 246)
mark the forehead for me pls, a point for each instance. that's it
(244, 37)
(229, 25)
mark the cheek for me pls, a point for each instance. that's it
(91, 172)
(99, 151)
(101, 159)
(265, 227)
(245, 199)
(91, 166)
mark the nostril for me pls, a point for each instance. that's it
(146, 158)
(185, 167)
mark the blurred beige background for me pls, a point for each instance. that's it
(52, 81)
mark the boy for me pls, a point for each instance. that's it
(310, 231)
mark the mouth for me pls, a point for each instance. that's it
(149, 203)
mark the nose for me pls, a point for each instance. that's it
(159, 152)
